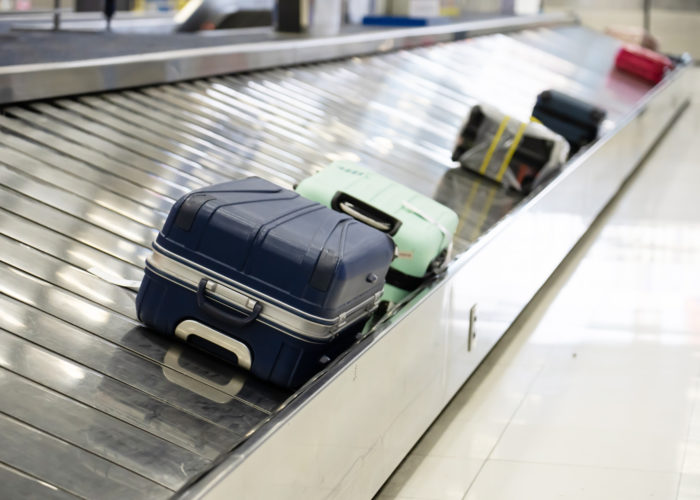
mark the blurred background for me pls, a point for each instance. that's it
(674, 23)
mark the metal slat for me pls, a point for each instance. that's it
(141, 140)
(242, 161)
(228, 114)
(66, 249)
(87, 147)
(68, 277)
(110, 396)
(251, 139)
(357, 133)
(108, 181)
(70, 468)
(71, 183)
(104, 138)
(17, 485)
(160, 135)
(89, 234)
(129, 447)
(161, 182)
(373, 126)
(90, 211)
(312, 143)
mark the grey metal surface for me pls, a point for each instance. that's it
(86, 183)
(92, 73)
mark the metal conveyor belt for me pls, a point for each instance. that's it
(96, 406)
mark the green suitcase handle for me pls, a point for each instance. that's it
(364, 212)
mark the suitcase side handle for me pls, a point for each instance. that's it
(364, 212)
(210, 309)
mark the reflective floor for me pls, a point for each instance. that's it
(594, 393)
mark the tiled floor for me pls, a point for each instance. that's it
(593, 394)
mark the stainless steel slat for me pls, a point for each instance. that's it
(143, 140)
(383, 114)
(110, 200)
(313, 144)
(252, 139)
(102, 152)
(478, 202)
(137, 151)
(95, 432)
(364, 126)
(17, 485)
(68, 467)
(110, 395)
(162, 181)
(406, 91)
(107, 180)
(363, 117)
(66, 276)
(227, 113)
(133, 338)
(66, 249)
(344, 111)
(239, 157)
(125, 117)
(64, 201)
(165, 384)
(357, 132)
(79, 229)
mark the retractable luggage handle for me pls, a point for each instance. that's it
(215, 312)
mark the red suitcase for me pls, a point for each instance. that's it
(642, 62)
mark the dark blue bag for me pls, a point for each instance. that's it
(575, 120)
(262, 277)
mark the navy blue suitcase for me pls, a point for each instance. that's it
(575, 120)
(262, 277)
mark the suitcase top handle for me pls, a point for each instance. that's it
(358, 209)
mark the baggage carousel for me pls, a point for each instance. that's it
(96, 406)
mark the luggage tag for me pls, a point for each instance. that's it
(112, 278)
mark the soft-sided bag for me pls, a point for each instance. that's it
(506, 150)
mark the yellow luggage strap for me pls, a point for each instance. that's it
(492, 146)
(511, 151)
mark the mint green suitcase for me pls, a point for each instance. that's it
(421, 227)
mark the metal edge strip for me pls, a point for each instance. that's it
(287, 319)
(28, 81)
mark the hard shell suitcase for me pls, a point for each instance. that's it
(421, 227)
(644, 63)
(575, 120)
(262, 277)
